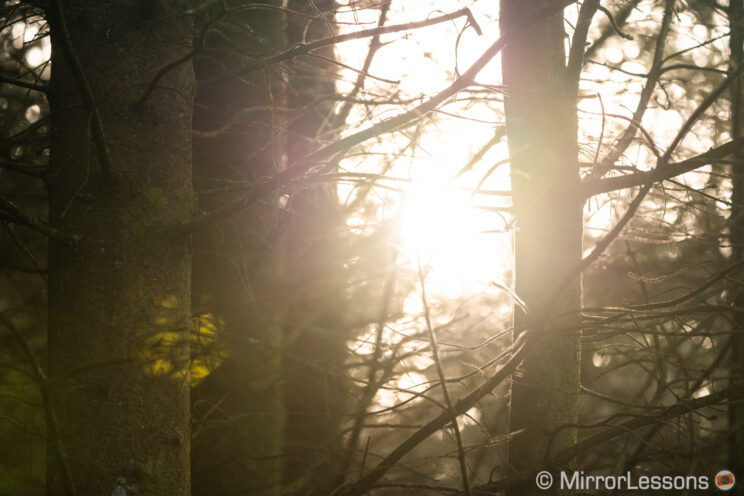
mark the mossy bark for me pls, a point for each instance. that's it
(119, 280)
(541, 130)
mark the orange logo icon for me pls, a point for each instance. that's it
(725, 480)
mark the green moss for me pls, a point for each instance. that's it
(156, 198)
(156, 477)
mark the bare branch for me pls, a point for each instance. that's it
(198, 46)
(383, 127)
(23, 84)
(11, 212)
(443, 381)
(86, 92)
(606, 185)
(614, 24)
(578, 42)
(648, 89)
(374, 46)
(735, 392)
(305, 48)
(462, 406)
(51, 415)
(620, 18)
(27, 270)
(28, 170)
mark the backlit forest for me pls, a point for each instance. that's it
(370, 247)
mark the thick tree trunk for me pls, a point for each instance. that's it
(238, 408)
(119, 285)
(541, 129)
(269, 410)
(315, 337)
(736, 410)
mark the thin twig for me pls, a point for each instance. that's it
(305, 48)
(648, 89)
(682, 407)
(11, 212)
(172, 65)
(620, 19)
(443, 381)
(614, 24)
(51, 414)
(297, 169)
(23, 84)
(86, 92)
(609, 184)
(19, 268)
(498, 135)
(373, 383)
(374, 46)
(578, 43)
(519, 349)
(28, 170)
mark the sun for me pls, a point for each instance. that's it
(450, 223)
(443, 230)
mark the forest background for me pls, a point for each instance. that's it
(316, 247)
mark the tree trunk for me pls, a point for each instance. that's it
(736, 410)
(266, 275)
(315, 336)
(119, 282)
(238, 411)
(541, 129)
(259, 270)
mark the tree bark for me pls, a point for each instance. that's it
(238, 408)
(315, 334)
(119, 278)
(270, 274)
(540, 106)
